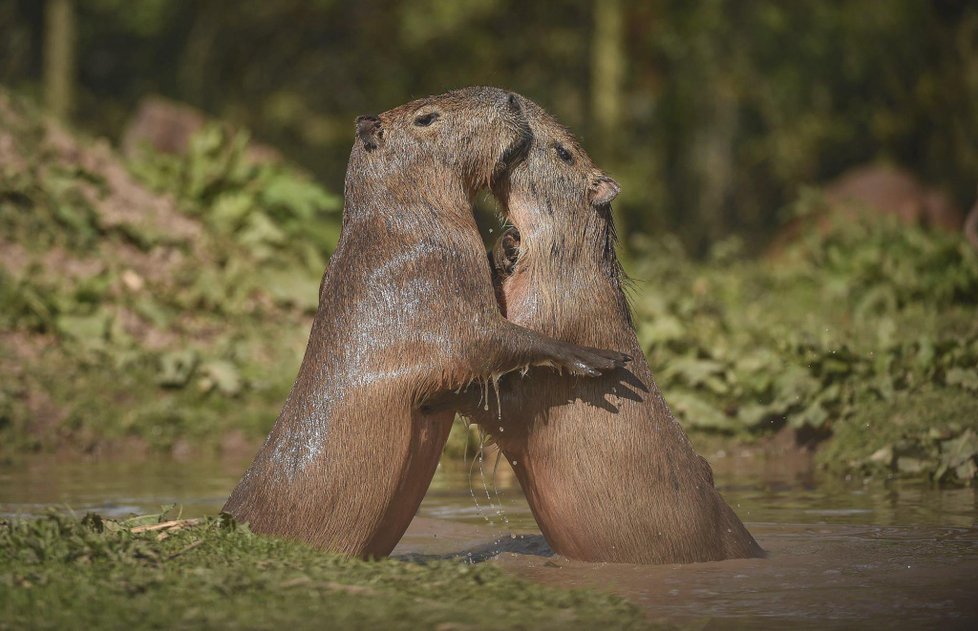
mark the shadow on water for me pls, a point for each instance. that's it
(840, 553)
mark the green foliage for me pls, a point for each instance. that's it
(63, 572)
(266, 207)
(175, 317)
(727, 108)
(880, 265)
(869, 314)
(166, 310)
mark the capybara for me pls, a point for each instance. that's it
(406, 312)
(874, 191)
(609, 477)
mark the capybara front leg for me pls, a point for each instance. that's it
(514, 347)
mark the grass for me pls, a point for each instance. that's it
(61, 572)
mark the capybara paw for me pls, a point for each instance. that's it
(613, 359)
(591, 362)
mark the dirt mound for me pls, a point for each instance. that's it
(873, 191)
(42, 163)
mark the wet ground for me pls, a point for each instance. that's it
(841, 553)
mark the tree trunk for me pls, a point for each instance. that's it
(607, 79)
(971, 225)
(607, 69)
(59, 57)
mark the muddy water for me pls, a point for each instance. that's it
(841, 554)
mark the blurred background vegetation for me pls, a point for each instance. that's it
(157, 286)
(712, 114)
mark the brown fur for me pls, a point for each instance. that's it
(406, 312)
(608, 477)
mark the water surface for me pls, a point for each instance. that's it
(841, 553)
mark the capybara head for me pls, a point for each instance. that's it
(557, 187)
(465, 138)
(564, 239)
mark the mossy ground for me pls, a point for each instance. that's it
(58, 572)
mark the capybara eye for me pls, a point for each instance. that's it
(564, 154)
(426, 119)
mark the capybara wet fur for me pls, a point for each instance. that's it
(406, 313)
(608, 472)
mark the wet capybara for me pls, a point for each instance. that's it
(406, 312)
(608, 472)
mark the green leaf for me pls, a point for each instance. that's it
(960, 450)
(755, 414)
(661, 329)
(287, 287)
(967, 379)
(695, 412)
(176, 368)
(259, 230)
(230, 210)
(223, 375)
(88, 330)
(814, 415)
(301, 198)
(794, 386)
(692, 370)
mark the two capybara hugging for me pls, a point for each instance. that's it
(410, 331)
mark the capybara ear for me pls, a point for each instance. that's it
(506, 252)
(603, 189)
(370, 131)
